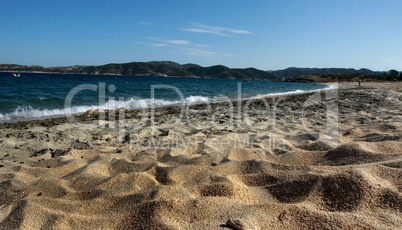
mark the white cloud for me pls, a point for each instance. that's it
(217, 30)
(197, 30)
(140, 43)
(178, 42)
(199, 52)
(159, 44)
(154, 38)
(202, 45)
(174, 42)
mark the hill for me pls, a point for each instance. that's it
(161, 68)
(293, 72)
(169, 68)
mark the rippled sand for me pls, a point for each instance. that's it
(319, 161)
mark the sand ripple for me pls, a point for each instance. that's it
(54, 175)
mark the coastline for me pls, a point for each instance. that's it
(5, 118)
(312, 160)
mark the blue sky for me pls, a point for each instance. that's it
(265, 34)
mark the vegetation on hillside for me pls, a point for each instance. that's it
(168, 68)
(153, 68)
(294, 72)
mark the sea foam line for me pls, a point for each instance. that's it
(29, 113)
(295, 92)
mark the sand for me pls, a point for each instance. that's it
(330, 160)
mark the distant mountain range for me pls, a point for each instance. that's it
(168, 68)
(292, 72)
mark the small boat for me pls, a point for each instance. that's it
(16, 74)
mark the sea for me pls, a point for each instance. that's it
(35, 96)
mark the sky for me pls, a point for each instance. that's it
(265, 34)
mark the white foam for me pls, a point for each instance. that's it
(29, 113)
(295, 92)
(196, 99)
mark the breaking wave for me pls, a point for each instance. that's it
(29, 113)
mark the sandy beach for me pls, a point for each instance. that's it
(329, 160)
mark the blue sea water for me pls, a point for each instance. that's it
(40, 95)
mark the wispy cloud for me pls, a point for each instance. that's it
(199, 52)
(154, 38)
(184, 47)
(217, 30)
(202, 45)
(159, 44)
(173, 42)
(178, 42)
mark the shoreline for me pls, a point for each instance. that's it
(270, 95)
(314, 160)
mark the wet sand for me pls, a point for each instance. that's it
(330, 160)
